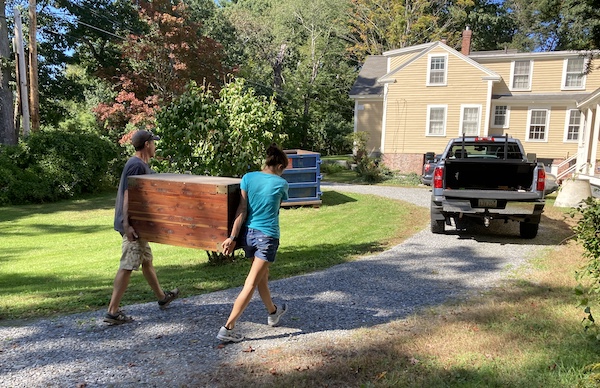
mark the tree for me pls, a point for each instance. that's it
(86, 33)
(157, 65)
(265, 52)
(7, 128)
(595, 33)
(317, 82)
(224, 136)
(549, 25)
(492, 26)
(172, 52)
(295, 51)
(379, 26)
(93, 32)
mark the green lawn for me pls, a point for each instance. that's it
(62, 257)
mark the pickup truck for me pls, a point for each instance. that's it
(431, 160)
(485, 179)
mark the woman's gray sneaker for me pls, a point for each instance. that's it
(273, 319)
(227, 335)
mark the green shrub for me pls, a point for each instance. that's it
(54, 165)
(587, 232)
(225, 135)
(367, 167)
(332, 167)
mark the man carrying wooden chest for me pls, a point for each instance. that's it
(135, 251)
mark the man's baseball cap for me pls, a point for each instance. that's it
(140, 137)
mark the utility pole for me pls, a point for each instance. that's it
(34, 102)
(20, 52)
(8, 135)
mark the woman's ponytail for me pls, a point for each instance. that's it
(276, 156)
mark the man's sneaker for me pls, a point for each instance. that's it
(227, 335)
(169, 297)
(118, 319)
(273, 318)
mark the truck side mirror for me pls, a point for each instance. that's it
(531, 158)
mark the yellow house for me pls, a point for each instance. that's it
(413, 100)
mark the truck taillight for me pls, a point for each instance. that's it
(438, 176)
(541, 180)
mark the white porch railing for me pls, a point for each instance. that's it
(572, 163)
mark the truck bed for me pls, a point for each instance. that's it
(489, 174)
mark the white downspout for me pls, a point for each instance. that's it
(355, 115)
(488, 109)
(383, 120)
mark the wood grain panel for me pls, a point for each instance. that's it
(184, 210)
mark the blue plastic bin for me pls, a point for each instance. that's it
(304, 178)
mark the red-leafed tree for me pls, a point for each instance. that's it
(158, 64)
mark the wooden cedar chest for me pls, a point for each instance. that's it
(185, 210)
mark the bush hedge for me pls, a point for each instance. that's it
(54, 165)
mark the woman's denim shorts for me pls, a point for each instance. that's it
(260, 245)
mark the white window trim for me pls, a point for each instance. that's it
(506, 122)
(427, 83)
(512, 75)
(563, 85)
(547, 130)
(429, 107)
(567, 119)
(462, 112)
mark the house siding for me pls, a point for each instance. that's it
(547, 76)
(554, 147)
(408, 99)
(408, 102)
(369, 115)
(397, 61)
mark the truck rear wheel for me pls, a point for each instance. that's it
(438, 227)
(528, 230)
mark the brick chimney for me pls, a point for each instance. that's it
(466, 41)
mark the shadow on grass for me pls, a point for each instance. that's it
(80, 293)
(332, 198)
(360, 295)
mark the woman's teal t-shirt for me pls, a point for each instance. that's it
(265, 193)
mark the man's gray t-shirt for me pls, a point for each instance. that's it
(134, 166)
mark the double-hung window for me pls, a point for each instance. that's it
(500, 116)
(573, 125)
(469, 120)
(436, 120)
(574, 73)
(538, 125)
(521, 75)
(437, 70)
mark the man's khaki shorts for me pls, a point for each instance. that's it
(135, 253)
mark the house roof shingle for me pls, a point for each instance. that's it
(366, 84)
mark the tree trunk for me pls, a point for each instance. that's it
(277, 65)
(34, 102)
(8, 134)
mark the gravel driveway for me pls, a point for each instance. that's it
(178, 347)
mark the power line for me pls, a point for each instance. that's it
(101, 30)
(96, 13)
